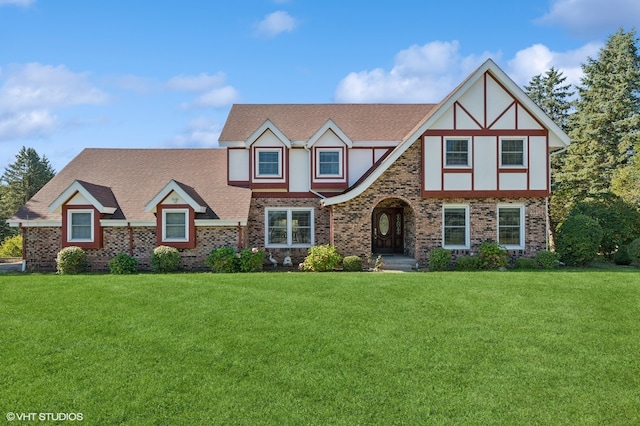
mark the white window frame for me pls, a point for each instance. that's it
(522, 223)
(445, 151)
(257, 166)
(524, 152)
(70, 213)
(289, 242)
(186, 225)
(467, 238)
(340, 163)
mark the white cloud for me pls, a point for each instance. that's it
(29, 93)
(196, 83)
(22, 3)
(201, 132)
(538, 58)
(276, 23)
(591, 17)
(424, 73)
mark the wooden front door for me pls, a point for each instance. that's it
(387, 231)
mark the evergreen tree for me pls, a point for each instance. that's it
(604, 128)
(550, 93)
(21, 180)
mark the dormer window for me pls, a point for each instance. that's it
(80, 226)
(269, 162)
(175, 223)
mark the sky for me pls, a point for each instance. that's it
(164, 74)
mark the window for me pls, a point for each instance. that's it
(269, 163)
(80, 225)
(289, 227)
(510, 226)
(175, 225)
(512, 152)
(455, 227)
(329, 163)
(457, 152)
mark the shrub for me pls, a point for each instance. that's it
(11, 247)
(548, 259)
(526, 263)
(251, 260)
(467, 263)
(633, 250)
(439, 259)
(578, 240)
(492, 256)
(352, 264)
(321, 258)
(223, 260)
(165, 259)
(621, 257)
(71, 260)
(123, 264)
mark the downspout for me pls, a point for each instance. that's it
(316, 193)
(23, 231)
(239, 236)
(130, 238)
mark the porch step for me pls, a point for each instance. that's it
(394, 262)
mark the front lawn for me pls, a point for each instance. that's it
(335, 348)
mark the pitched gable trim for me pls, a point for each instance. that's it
(450, 100)
(168, 189)
(267, 125)
(73, 189)
(330, 125)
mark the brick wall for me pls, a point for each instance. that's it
(43, 244)
(399, 186)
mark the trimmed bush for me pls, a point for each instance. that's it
(251, 260)
(439, 259)
(633, 250)
(165, 259)
(321, 258)
(223, 260)
(492, 256)
(621, 256)
(526, 263)
(578, 240)
(71, 260)
(11, 247)
(123, 264)
(548, 259)
(352, 264)
(467, 263)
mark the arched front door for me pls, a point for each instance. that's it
(387, 231)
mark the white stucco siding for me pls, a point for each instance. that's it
(498, 100)
(539, 162)
(513, 181)
(299, 168)
(526, 121)
(329, 139)
(238, 164)
(444, 122)
(78, 200)
(360, 160)
(457, 182)
(473, 102)
(507, 120)
(432, 163)
(268, 138)
(485, 170)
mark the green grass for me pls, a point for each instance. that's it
(336, 348)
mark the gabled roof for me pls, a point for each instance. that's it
(135, 177)
(300, 122)
(557, 137)
(101, 197)
(185, 192)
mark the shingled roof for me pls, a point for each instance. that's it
(299, 122)
(134, 176)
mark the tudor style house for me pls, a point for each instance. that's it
(368, 178)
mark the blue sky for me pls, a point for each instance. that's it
(121, 73)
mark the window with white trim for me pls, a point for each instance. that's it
(511, 226)
(329, 162)
(512, 152)
(455, 227)
(457, 153)
(289, 227)
(175, 225)
(269, 162)
(80, 225)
